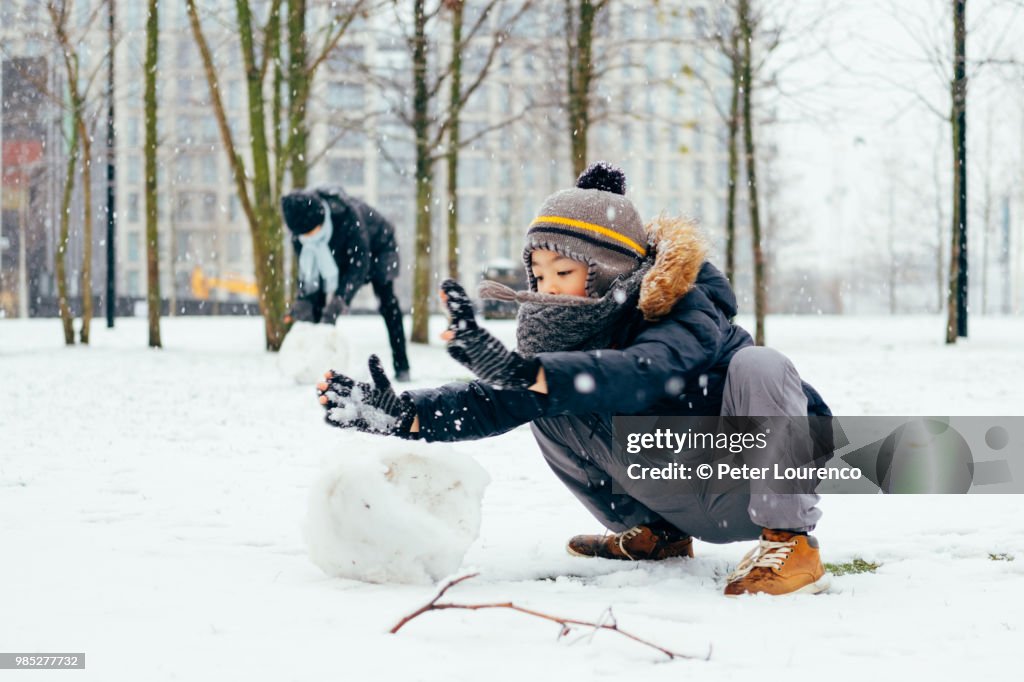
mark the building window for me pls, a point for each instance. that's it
(208, 207)
(183, 168)
(133, 207)
(133, 169)
(234, 247)
(184, 129)
(233, 97)
(133, 283)
(131, 131)
(133, 247)
(346, 137)
(347, 172)
(208, 166)
(346, 59)
(482, 248)
(182, 242)
(347, 96)
(473, 173)
(208, 132)
(186, 52)
(183, 207)
(700, 23)
(473, 210)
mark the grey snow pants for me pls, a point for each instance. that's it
(760, 382)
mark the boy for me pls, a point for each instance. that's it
(618, 320)
(341, 244)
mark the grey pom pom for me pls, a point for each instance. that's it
(603, 176)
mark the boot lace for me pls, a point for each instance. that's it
(767, 554)
(626, 535)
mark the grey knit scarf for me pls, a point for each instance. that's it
(549, 322)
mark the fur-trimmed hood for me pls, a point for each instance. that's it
(679, 266)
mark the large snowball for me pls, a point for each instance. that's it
(396, 512)
(310, 349)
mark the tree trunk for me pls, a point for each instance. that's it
(111, 294)
(279, 136)
(267, 237)
(760, 286)
(152, 233)
(299, 82)
(66, 316)
(85, 281)
(733, 125)
(452, 155)
(957, 302)
(424, 179)
(580, 76)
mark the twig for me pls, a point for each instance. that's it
(565, 624)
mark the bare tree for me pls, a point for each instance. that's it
(429, 118)
(256, 187)
(749, 39)
(79, 93)
(149, 152)
(948, 61)
(956, 324)
(747, 21)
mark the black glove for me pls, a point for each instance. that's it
(370, 408)
(479, 351)
(334, 309)
(302, 311)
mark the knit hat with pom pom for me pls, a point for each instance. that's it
(593, 223)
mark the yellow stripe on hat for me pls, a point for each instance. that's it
(593, 228)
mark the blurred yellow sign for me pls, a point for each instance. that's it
(231, 283)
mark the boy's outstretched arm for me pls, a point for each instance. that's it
(470, 411)
(458, 411)
(656, 365)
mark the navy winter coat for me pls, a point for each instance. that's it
(670, 359)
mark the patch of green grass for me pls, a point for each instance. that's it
(858, 565)
(1002, 556)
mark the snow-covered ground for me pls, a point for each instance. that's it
(152, 507)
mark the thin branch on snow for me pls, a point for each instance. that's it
(565, 623)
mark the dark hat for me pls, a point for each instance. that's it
(303, 211)
(593, 223)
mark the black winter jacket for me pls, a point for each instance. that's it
(363, 244)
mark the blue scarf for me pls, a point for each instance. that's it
(316, 259)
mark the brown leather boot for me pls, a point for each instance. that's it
(639, 543)
(782, 563)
